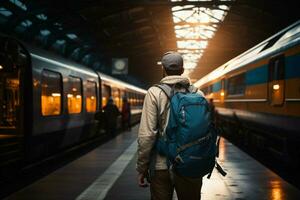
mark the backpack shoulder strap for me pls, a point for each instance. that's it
(192, 89)
(167, 89)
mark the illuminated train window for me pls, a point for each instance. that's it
(106, 93)
(116, 96)
(51, 93)
(74, 95)
(91, 96)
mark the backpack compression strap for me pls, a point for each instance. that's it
(196, 142)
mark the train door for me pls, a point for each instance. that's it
(276, 84)
(12, 65)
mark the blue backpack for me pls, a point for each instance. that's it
(190, 139)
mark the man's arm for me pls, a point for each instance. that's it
(147, 132)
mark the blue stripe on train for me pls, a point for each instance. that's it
(217, 86)
(257, 76)
(292, 66)
(260, 75)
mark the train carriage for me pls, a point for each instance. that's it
(48, 103)
(259, 91)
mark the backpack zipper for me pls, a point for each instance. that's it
(182, 112)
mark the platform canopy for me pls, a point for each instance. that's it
(206, 32)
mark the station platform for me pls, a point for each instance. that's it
(108, 172)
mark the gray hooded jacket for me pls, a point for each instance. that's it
(153, 121)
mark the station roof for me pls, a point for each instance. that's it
(207, 32)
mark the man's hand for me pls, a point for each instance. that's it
(141, 180)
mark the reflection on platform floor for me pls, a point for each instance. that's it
(108, 172)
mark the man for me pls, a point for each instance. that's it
(153, 122)
(111, 113)
(126, 114)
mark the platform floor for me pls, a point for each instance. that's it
(108, 172)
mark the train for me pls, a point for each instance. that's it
(49, 103)
(257, 95)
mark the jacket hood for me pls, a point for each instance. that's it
(175, 79)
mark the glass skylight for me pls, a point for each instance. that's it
(60, 42)
(19, 4)
(42, 17)
(5, 12)
(26, 23)
(194, 26)
(72, 36)
(45, 32)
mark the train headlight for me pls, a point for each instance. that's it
(276, 87)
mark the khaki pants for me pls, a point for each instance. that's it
(162, 187)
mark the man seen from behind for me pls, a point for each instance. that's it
(153, 123)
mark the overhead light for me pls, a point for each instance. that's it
(276, 87)
(194, 26)
(72, 36)
(158, 62)
(222, 94)
(1, 67)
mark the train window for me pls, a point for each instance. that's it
(106, 93)
(236, 85)
(91, 96)
(134, 99)
(51, 93)
(127, 96)
(122, 95)
(140, 100)
(116, 96)
(131, 98)
(74, 95)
